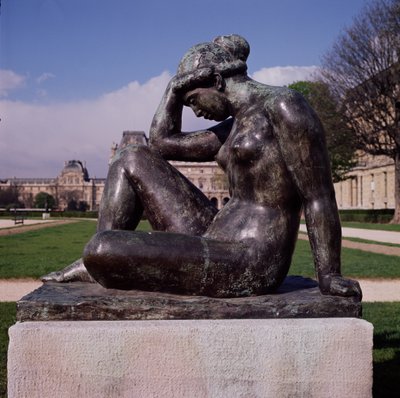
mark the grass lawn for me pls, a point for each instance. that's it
(366, 225)
(384, 316)
(7, 318)
(374, 242)
(35, 253)
(368, 241)
(355, 263)
(386, 320)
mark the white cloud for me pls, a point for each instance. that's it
(45, 76)
(284, 75)
(35, 139)
(10, 80)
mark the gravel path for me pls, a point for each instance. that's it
(368, 234)
(367, 247)
(7, 227)
(373, 289)
(14, 289)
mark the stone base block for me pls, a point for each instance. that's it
(326, 357)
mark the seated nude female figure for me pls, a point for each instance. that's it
(271, 145)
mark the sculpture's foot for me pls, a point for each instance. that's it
(336, 285)
(75, 272)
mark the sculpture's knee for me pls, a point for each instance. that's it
(95, 255)
(133, 160)
(106, 261)
(98, 246)
(131, 155)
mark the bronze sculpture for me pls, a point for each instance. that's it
(271, 145)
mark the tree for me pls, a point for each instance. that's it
(339, 138)
(9, 197)
(72, 205)
(44, 200)
(70, 199)
(363, 70)
(83, 205)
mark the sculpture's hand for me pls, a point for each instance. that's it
(167, 120)
(189, 81)
(336, 285)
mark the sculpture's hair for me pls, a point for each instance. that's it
(226, 55)
(234, 44)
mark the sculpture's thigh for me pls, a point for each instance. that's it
(171, 202)
(169, 262)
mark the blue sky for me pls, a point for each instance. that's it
(75, 73)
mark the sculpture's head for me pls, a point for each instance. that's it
(226, 55)
(204, 68)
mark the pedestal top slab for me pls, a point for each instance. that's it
(297, 298)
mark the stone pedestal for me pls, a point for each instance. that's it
(297, 297)
(326, 357)
(81, 340)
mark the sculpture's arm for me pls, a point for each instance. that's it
(302, 141)
(165, 131)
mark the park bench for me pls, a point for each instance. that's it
(19, 218)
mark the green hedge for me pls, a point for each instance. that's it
(73, 214)
(380, 216)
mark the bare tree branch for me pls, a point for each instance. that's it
(363, 70)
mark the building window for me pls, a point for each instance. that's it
(214, 201)
(372, 191)
(353, 192)
(385, 182)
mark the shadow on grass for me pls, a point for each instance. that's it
(386, 365)
(7, 319)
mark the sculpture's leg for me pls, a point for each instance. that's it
(175, 263)
(138, 179)
(171, 202)
(71, 273)
(120, 207)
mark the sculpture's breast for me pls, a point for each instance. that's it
(248, 141)
(245, 147)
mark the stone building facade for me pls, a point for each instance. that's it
(373, 105)
(71, 188)
(73, 184)
(370, 185)
(207, 176)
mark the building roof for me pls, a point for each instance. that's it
(75, 166)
